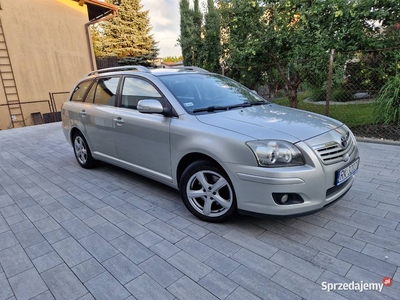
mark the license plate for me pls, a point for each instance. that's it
(343, 174)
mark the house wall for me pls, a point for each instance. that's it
(48, 50)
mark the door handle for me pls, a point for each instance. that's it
(119, 121)
(83, 113)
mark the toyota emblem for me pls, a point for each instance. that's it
(344, 141)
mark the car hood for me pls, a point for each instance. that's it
(271, 121)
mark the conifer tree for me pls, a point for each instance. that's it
(128, 34)
(187, 32)
(212, 49)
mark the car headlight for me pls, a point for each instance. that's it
(276, 153)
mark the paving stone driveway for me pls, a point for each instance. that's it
(70, 233)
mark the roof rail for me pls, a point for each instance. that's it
(122, 68)
(192, 68)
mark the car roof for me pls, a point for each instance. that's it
(141, 69)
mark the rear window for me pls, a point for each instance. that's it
(80, 91)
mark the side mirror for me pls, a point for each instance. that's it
(150, 106)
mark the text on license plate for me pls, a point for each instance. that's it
(347, 172)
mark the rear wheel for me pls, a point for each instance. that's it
(82, 151)
(207, 192)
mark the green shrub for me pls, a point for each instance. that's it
(387, 103)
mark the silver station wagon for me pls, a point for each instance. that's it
(224, 147)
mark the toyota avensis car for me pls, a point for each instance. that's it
(224, 147)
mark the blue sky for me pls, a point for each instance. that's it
(164, 17)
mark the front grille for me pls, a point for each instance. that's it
(334, 152)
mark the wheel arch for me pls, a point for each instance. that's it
(192, 157)
(73, 132)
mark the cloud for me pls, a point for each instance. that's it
(165, 18)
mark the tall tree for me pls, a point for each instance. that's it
(212, 39)
(128, 34)
(187, 31)
(197, 40)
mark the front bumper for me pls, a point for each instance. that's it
(314, 183)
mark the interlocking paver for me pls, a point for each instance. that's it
(260, 285)
(298, 265)
(63, 283)
(256, 263)
(7, 239)
(137, 214)
(46, 225)
(131, 248)
(88, 269)
(222, 264)
(367, 262)
(165, 249)
(108, 231)
(348, 242)
(195, 248)
(98, 247)
(14, 261)
(77, 228)
(5, 289)
(302, 286)
(220, 244)
(331, 263)
(324, 246)
(146, 288)
(185, 288)
(242, 294)
(71, 251)
(290, 246)
(189, 265)
(218, 284)
(47, 261)
(44, 296)
(38, 249)
(251, 243)
(105, 286)
(56, 235)
(166, 231)
(71, 233)
(27, 284)
(122, 268)
(131, 227)
(148, 238)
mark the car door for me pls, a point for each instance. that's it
(142, 140)
(97, 116)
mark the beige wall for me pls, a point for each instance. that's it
(48, 50)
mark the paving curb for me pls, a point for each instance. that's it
(377, 141)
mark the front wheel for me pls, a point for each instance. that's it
(207, 192)
(82, 151)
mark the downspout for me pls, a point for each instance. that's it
(89, 37)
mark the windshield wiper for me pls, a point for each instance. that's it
(210, 108)
(214, 108)
(259, 103)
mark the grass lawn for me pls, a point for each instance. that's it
(351, 114)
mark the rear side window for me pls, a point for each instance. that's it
(106, 90)
(80, 91)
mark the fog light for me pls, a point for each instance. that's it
(284, 198)
(287, 198)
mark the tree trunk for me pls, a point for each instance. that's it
(292, 85)
(292, 95)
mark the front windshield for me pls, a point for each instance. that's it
(202, 91)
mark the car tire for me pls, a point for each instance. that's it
(207, 192)
(82, 152)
